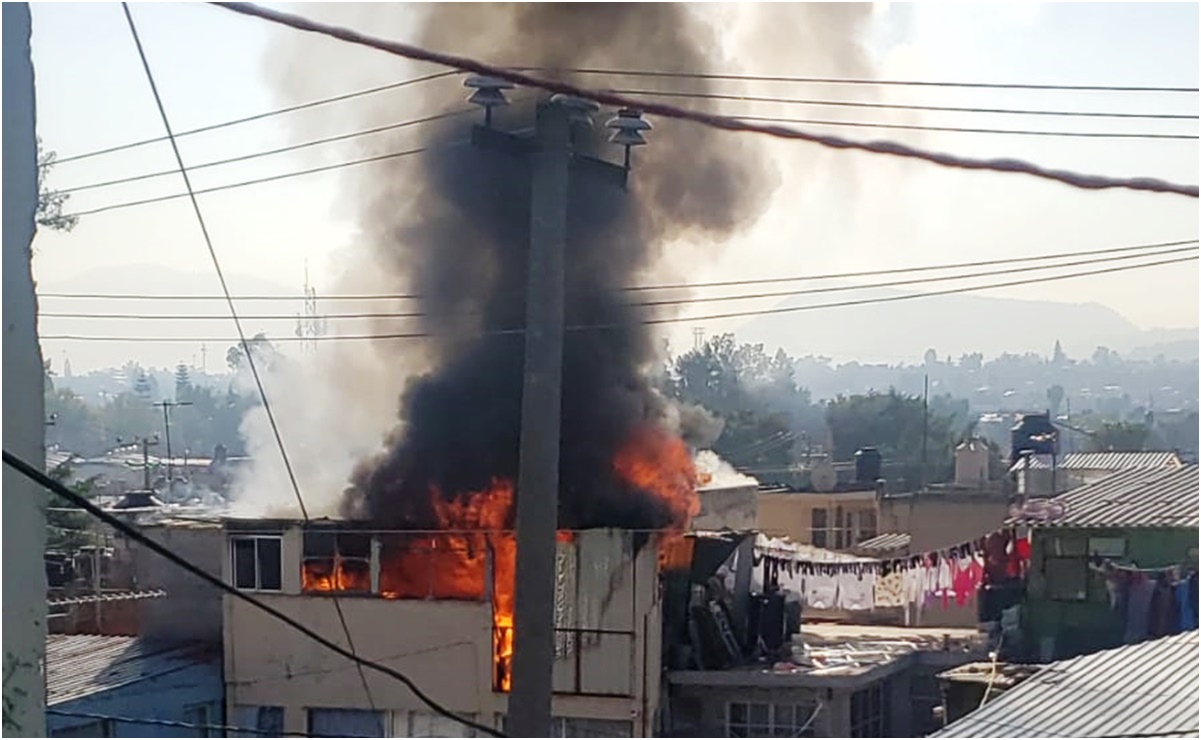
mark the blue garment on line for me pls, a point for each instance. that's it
(1184, 602)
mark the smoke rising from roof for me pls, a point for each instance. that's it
(453, 226)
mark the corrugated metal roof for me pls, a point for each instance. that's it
(1102, 461)
(115, 596)
(1165, 497)
(886, 541)
(1145, 689)
(81, 665)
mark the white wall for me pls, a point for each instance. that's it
(24, 412)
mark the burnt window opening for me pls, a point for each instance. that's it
(257, 564)
(439, 566)
(336, 562)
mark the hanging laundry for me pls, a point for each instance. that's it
(855, 590)
(1186, 615)
(962, 582)
(889, 591)
(1138, 608)
(821, 590)
(1164, 617)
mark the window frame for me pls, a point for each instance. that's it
(770, 726)
(336, 559)
(815, 530)
(201, 714)
(1053, 594)
(258, 561)
(867, 713)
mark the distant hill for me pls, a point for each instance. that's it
(956, 324)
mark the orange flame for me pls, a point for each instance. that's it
(658, 463)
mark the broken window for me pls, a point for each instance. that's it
(336, 561)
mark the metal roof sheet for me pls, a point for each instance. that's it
(1102, 461)
(886, 541)
(82, 665)
(1163, 497)
(1145, 689)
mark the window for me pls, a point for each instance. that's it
(756, 719)
(867, 526)
(256, 562)
(1067, 578)
(583, 727)
(346, 723)
(99, 728)
(269, 721)
(820, 523)
(428, 724)
(202, 716)
(867, 712)
(840, 525)
(337, 561)
(1108, 547)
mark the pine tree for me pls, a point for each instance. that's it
(183, 383)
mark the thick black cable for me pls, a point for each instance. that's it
(135, 534)
(656, 303)
(260, 116)
(849, 81)
(247, 349)
(724, 123)
(670, 320)
(675, 286)
(902, 106)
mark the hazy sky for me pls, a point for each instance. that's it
(209, 65)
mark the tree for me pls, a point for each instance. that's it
(183, 383)
(264, 352)
(1121, 436)
(1059, 357)
(50, 202)
(68, 527)
(930, 359)
(1055, 398)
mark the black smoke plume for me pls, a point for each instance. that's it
(462, 243)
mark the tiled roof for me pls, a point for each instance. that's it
(1102, 461)
(886, 541)
(1149, 689)
(82, 665)
(1164, 497)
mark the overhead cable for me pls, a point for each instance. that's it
(135, 534)
(656, 303)
(248, 352)
(665, 320)
(661, 287)
(1074, 179)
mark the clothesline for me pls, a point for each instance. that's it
(769, 548)
(1101, 563)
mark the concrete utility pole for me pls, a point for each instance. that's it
(538, 471)
(24, 589)
(166, 406)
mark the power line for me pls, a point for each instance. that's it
(668, 320)
(1074, 179)
(270, 152)
(248, 351)
(183, 725)
(965, 130)
(673, 286)
(257, 181)
(669, 302)
(901, 106)
(836, 80)
(260, 116)
(138, 536)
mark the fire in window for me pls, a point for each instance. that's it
(336, 562)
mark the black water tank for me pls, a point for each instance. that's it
(867, 465)
(1034, 433)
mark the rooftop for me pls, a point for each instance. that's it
(1155, 497)
(81, 665)
(1149, 689)
(886, 542)
(1102, 461)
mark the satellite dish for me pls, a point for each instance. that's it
(823, 477)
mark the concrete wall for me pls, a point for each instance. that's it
(446, 646)
(936, 520)
(191, 611)
(791, 514)
(24, 412)
(165, 697)
(1075, 627)
(727, 508)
